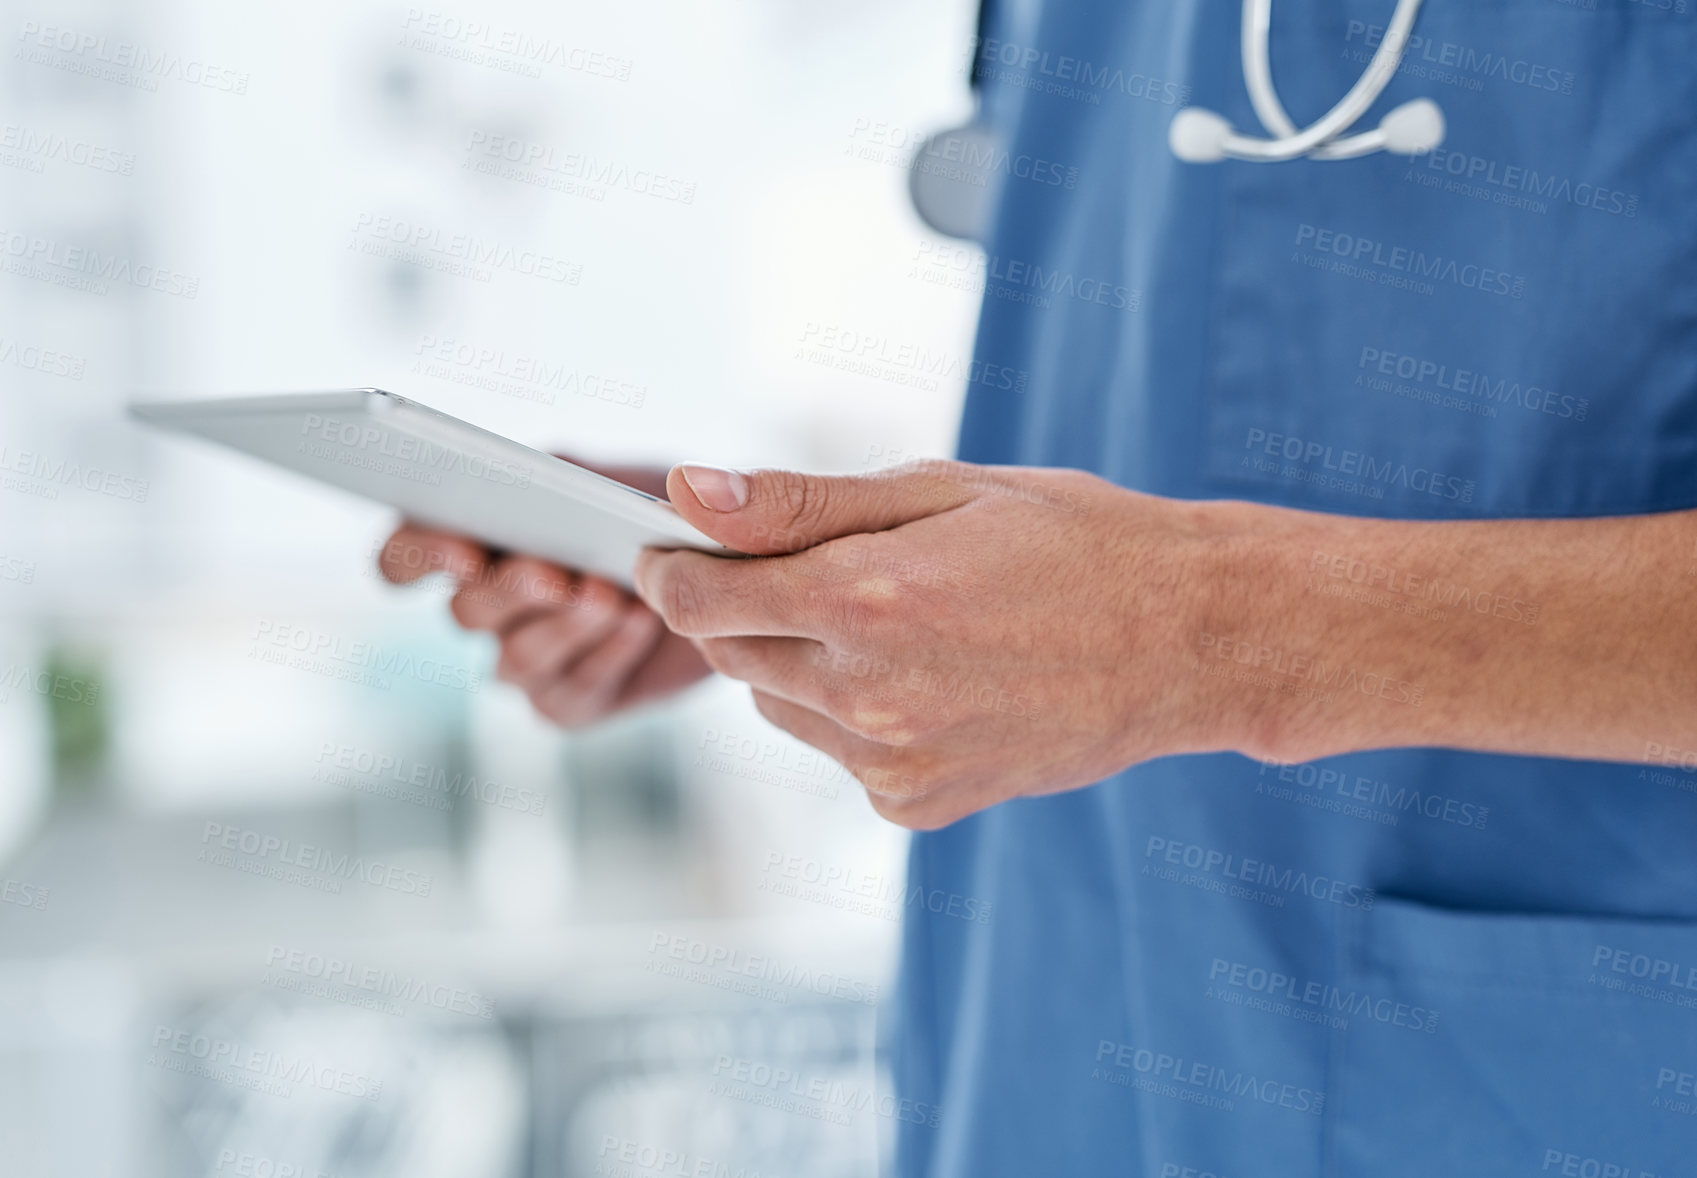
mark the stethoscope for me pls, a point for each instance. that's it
(1201, 136)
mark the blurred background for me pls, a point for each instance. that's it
(262, 918)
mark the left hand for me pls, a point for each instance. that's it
(953, 635)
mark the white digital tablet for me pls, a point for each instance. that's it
(444, 472)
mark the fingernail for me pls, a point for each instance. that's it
(718, 490)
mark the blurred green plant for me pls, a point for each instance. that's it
(79, 720)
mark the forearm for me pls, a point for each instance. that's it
(1325, 634)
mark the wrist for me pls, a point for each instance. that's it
(1289, 669)
(1256, 674)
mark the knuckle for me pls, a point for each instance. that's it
(853, 615)
(881, 597)
(872, 605)
(801, 500)
(681, 603)
(880, 723)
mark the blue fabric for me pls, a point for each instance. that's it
(1411, 962)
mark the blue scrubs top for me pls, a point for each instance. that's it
(1417, 962)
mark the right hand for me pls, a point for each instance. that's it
(578, 645)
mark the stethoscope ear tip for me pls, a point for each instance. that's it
(1414, 128)
(1198, 136)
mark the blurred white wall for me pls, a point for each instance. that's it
(697, 178)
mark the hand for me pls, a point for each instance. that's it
(953, 635)
(579, 646)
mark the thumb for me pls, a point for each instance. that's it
(770, 512)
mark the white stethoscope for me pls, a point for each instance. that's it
(1202, 137)
(961, 209)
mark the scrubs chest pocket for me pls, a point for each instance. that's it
(1549, 1045)
(1505, 327)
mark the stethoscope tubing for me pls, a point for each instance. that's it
(1320, 139)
